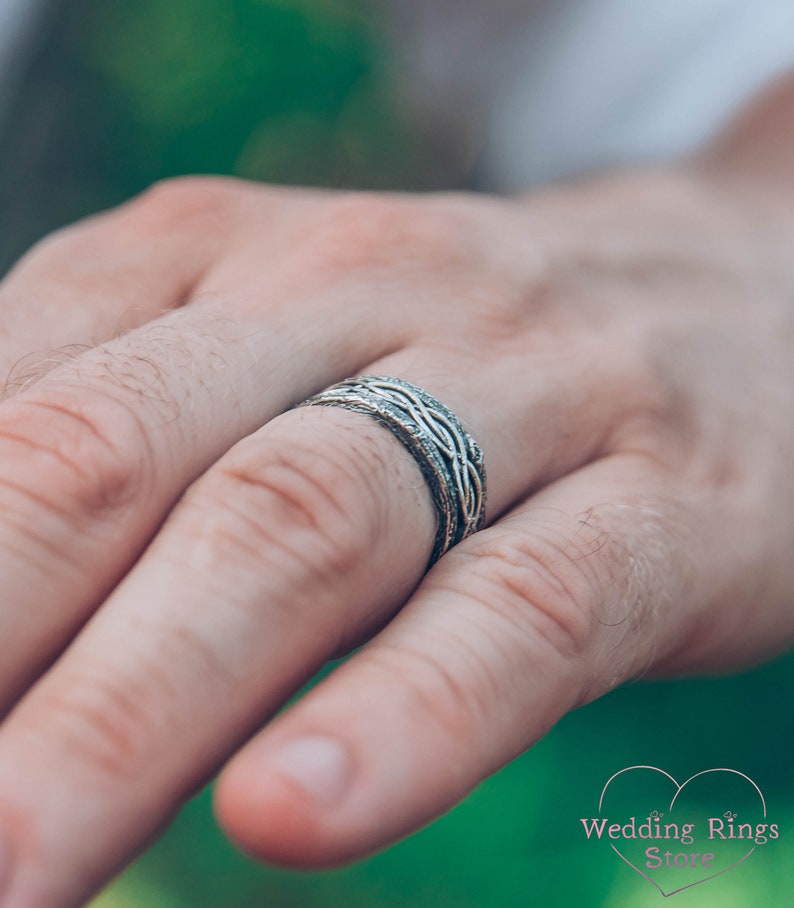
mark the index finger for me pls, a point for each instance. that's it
(110, 273)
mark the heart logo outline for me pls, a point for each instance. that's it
(679, 789)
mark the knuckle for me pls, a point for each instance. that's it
(109, 724)
(72, 451)
(370, 230)
(199, 205)
(448, 681)
(430, 690)
(115, 716)
(301, 513)
(75, 254)
(544, 588)
(184, 201)
(51, 249)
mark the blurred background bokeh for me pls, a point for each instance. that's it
(120, 93)
(125, 92)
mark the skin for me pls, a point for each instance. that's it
(179, 551)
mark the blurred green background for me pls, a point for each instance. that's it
(124, 92)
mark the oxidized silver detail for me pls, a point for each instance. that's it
(449, 458)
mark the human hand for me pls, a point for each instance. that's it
(180, 551)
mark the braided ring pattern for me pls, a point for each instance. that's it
(449, 458)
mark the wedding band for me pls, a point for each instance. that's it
(449, 458)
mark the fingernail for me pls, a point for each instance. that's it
(321, 766)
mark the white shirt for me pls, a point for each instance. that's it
(538, 90)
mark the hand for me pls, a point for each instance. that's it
(179, 550)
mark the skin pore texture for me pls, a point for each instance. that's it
(179, 550)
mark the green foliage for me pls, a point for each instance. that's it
(267, 90)
(127, 92)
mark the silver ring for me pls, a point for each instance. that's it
(449, 458)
